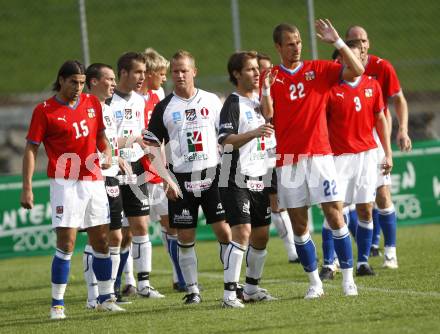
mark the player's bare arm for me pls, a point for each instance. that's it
(401, 107)
(327, 33)
(384, 136)
(156, 157)
(268, 78)
(238, 140)
(104, 146)
(29, 159)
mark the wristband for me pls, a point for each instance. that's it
(265, 91)
(339, 44)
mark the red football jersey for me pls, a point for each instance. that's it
(151, 99)
(350, 115)
(382, 70)
(299, 100)
(69, 136)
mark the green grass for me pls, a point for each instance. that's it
(38, 36)
(403, 301)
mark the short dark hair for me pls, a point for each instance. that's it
(94, 71)
(69, 68)
(237, 61)
(125, 62)
(279, 29)
(351, 44)
(263, 56)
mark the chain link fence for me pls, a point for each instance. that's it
(37, 36)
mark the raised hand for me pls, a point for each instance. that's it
(325, 31)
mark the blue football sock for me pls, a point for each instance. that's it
(306, 252)
(364, 235)
(352, 222)
(376, 229)
(328, 247)
(102, 267)
(60, 276)
(388, 223)
(124, 256)
(174, 254)
(343, 248)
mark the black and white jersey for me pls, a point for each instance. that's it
(189, 127)
(240, 115)
(112, 136)
(129, 116)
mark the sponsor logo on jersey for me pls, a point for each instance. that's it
(226, 126)
(128, 113)
(108, 121)
(310, 75)
(280, 80)
(176, 117)
(118, 115)
(204, 112)
(341, 95)
(249, 115)
(195, 141)
(368, 92)
(127, 133)
(138, 114)
(91, 112)
(190, 115)
(59, 210)
(261, 144)
(62, 118)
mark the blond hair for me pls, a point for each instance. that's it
(154, 61)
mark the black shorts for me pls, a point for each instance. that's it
(273, 189)
(244, 206)
(204, 192)
(114, 201)
(135, 196)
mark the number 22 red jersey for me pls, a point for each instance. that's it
(351, 113)
(299, 101)
(69, 136)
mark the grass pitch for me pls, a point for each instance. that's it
(406, 300)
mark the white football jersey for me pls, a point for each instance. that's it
(189, 127)
(112, 135)
(240, 115)
(129, 116)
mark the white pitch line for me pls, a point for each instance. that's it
(433, 294)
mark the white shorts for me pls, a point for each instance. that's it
(78, 203)
(158, 201)
(357, 176)
(313, 180)
(382, 180)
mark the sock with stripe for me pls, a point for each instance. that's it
(60, 276)
(89, 275)
(364, 236)
(255, 259)
(141, 247)
(188, 265)
(102, 266)
(233, 258)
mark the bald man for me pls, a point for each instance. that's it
(384, 216)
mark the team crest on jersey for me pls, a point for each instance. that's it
(59, 210)
(91, 112)
(195, 141)
(190, 115)
(310, 75)
(138, 114)
(176, 117)
(108, 121)
(128, 113)
(204, 112)
(368, 92)
(118, 115)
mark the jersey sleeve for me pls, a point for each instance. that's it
(157, 132)
(393, 84)
(38, 126)
(332, 71)
(229, 118)
(378, 102)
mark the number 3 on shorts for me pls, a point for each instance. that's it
(329, 187)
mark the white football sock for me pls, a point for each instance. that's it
(188, 265)
(254, 268)
(128, 268)
(141, 247)
(89, 275)
(116, 259)
(281, 221)
(233, 259)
